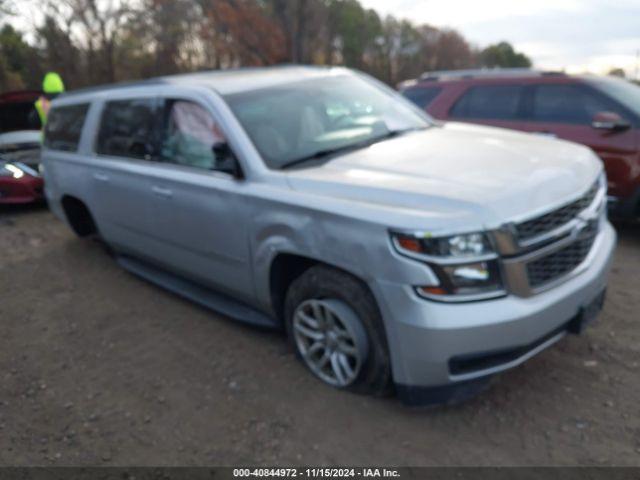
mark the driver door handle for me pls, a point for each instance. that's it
(162, 192)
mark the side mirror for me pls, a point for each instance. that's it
(610, 121)
(226, 161)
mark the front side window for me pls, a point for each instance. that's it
(422, 96)
(572, 104)
(128, 129)
(489, 102)
(622, 91)
(303, 119)
(190, 135)
(64, 127)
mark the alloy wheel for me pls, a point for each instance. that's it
(331, 340)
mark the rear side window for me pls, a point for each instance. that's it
(572, 104)
(128, 128)
(64, 127)
(491, 102)
(422, 96)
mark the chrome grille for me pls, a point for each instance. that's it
(552, 220)
(561, 262)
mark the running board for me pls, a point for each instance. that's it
(196, 293)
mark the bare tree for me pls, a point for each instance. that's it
(95, 26)
(98, 41)
(242, 34)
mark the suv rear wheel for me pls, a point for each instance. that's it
(336, 330)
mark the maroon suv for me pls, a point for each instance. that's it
(600, 112)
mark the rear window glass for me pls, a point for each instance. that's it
(422, 96)
(18, 116)
(64, 127)
(129, 129)
(491, 102)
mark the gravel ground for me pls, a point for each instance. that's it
(100, 367)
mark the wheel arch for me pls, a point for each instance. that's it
(78, 216)
(286, 267)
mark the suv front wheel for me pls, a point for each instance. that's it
(336, 330)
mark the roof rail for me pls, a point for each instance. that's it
(485, 72)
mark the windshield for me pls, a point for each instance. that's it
(299, 120)
(623, 91)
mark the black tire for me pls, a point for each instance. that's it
(322, 282)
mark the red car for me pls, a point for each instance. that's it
(600, 112)
(20, 180)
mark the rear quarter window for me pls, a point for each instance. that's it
(490, 102)
(64, 127)
(422, 96)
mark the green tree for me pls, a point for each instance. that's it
(352, 33)
(100, 41)
(617, 72)
(504, 56)
(19, 63)
(59, 54)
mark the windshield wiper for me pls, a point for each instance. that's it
(347, 148)
(325, 153)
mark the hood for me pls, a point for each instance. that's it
(21, 147)
(19, 138)
(457, 171)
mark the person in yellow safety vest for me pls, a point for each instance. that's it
(52, 86)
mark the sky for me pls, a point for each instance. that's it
(574, 35)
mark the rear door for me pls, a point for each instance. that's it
(125, 149)
(566, 111)
(199, 221)
(498, 105)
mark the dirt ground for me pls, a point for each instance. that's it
(100, 367)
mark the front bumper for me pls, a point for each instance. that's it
(27, 189)
(426, 337)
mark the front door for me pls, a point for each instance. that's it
(199, 218)
(567, 110)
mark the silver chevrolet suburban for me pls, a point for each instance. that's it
(397, 252)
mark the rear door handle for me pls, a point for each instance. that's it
(101, 177)
(162, 192)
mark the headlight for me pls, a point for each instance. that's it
(455, 246)
(10, 170)
(478, 279)
(466, 265)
